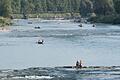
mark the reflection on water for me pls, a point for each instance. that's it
(65, 42)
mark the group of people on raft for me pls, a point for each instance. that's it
(37, 27)
(78, 64)
(82, 25)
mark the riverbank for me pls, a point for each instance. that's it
(48, 15)
(108, 19)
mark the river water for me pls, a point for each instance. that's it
(64, 43)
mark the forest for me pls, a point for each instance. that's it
(83, 7)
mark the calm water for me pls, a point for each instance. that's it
(65, 43)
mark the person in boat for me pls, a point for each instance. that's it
(77, 64)
(80, 64)
(37, 27)
(80, 25)
(29, 22)
(40, 41)
(93, 25)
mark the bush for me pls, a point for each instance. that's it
(4, 22)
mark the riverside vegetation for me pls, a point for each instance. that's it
(4, 22)
(104, 11)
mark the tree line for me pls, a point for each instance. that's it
(84, 7)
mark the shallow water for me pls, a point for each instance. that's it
(65, 43)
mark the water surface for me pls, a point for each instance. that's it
(65, 43)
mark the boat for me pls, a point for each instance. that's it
(40, 41)
(93, 25)
(29, 22)
(37, 27)
(80, 25)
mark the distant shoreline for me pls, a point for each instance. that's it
(108, 19)
(47, 15)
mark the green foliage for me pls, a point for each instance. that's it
(4, 21)
(16, 4)
(117, 6)
(84, 7)
(103, 7)
(5, 8)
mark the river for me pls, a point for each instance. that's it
(64, 43)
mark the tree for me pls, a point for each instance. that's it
(16, 6)
(86, 7)
(117, 6)
(103, 7)
(99, 7)
(6, 8)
